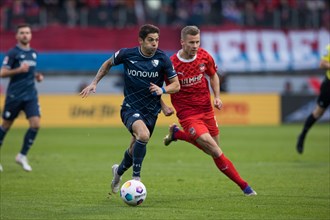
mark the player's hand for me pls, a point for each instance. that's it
(39, 77)
(24, 68)
(86, 91)
(155, 90)
(167, 111)
(218, 103)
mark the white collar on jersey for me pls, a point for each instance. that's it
(25, 49)
(185, 60)
(145, 55)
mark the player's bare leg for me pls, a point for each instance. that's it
(311, 119)
(209, 146)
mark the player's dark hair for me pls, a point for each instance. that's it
(189, 30)
(147, 29)
(22, 26)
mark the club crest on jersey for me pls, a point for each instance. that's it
(202, 67)
(155, 63)
(34, 55)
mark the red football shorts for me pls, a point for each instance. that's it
(197, 125)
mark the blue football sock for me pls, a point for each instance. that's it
(126, 163)
(30, 135)
(139, 151)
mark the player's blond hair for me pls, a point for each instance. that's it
(189, 30)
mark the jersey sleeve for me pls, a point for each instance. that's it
(326, 54)
(211, 66)
(169, 69)
(118, 57)
(9, 60)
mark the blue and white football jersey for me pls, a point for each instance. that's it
(139, 72)
(21, 86)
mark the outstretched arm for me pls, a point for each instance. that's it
(104, 69)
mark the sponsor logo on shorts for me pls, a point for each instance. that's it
(7, 114)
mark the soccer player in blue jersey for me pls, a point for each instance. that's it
(145, 69)
(20, 65)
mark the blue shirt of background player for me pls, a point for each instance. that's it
(139, 71)
(21, 87)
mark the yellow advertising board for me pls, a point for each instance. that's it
(104, 110)
(250, 109)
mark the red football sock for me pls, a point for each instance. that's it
(181, 135)
(227, 167)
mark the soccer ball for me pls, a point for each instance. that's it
(133, 192)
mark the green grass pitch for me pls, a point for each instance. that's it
(72, 172)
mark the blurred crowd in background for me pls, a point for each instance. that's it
(293, 14)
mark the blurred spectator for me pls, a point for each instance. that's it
(52, 10)
(125, 13)
(181, 12)
(315, 9)
(200, 9)
(99, 13)
(287, 87)
(231, 12)
(325, 17)
(16, 13)
(139, 11)
(32, 12)
(71, 13)
(249, 13)
(284, 13)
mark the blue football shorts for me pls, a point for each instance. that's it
(12, 109)
(129, 116)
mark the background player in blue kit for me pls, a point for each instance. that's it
(145, 69)
(20, 65)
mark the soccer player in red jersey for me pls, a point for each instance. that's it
(193, 104)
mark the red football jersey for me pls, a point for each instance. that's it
(194, 95)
